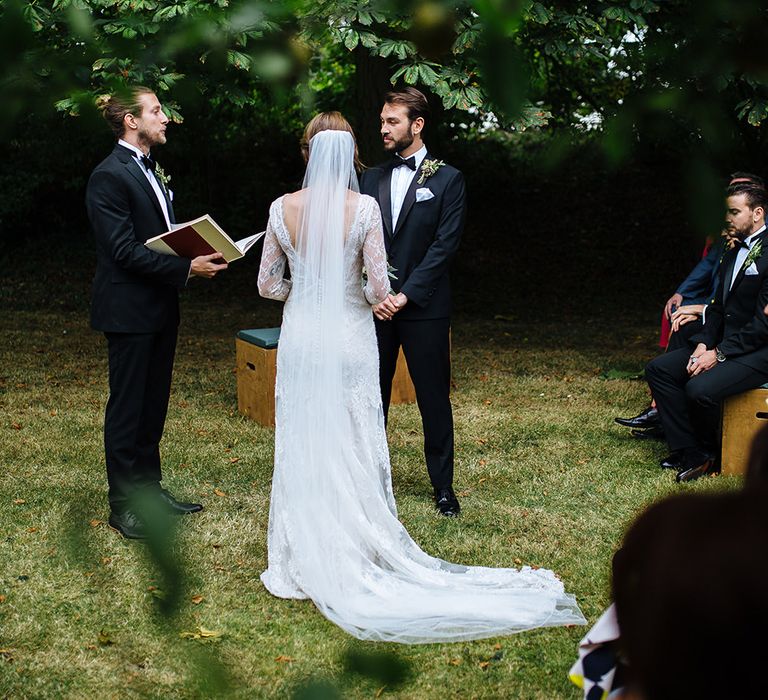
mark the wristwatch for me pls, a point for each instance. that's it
(719, 355)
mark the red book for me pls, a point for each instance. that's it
(201, 236)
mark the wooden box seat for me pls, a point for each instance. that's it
(743, 416)
(256, 368)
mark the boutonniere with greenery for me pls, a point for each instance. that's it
(428, 168)
(164, 179)
(754, 254)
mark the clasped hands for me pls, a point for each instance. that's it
(701, 360)
(386, 309)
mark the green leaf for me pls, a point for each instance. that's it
(351, 39)
(540, 14)
(427, 75)
(238, 60)
(368, 39)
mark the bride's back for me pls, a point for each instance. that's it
(294, 206)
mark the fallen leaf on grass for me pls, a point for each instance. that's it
(18, 501)
(96, 523)
(31, 529)
(379, 691)
(105, 638)
(487, 402)
(16, 426)
(2, 598)
(497, 646)
(106, 560)
(232, 460)
(197, 599)
(482, 462)
(54, 413)
(282, 659)
(620, 374)
(454, 662)
(219, 493)
(484, 664)
(7, 654)
(201, 633)
(482, 480)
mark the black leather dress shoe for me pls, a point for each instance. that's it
(447, 503)
(647, 419)
(655, 432)
(128, 525)
(696, 465)
(175, 507)
(674, 460)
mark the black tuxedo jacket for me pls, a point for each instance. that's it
(135, 290)
(735, 321)
(427, 236)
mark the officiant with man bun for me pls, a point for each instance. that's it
(135, 304)
(423, 208)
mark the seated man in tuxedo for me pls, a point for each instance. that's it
(729, 355)
(683, 311)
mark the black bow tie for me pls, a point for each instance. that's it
(410, 162)
(148, 162)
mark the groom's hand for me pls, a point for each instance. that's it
(386, 309)
(208, 265)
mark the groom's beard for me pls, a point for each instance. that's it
(400, 145)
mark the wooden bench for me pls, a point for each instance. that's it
(743, 416)
(256, 368)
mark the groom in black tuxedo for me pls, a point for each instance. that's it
(423, 207)
(135, 304)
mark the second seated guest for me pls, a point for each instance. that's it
(729, 356)
(682, 317)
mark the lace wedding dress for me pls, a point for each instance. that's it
(334, 536)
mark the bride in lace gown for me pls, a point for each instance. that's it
(334, 536)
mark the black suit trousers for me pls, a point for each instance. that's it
(140, 369)
(426, 346)
(689, 407)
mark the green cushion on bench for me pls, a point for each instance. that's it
(262, 337)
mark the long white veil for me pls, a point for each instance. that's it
(334, 535)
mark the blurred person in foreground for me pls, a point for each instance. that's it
(689, 586)
(729, 355)
(135, 304)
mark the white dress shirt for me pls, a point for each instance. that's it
(402, 177)
(741, 256)
(137, 154)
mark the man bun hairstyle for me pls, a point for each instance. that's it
(755, 196)
(414, 100)
(115, 107)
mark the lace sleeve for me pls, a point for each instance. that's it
(272, 284)
(375, 258)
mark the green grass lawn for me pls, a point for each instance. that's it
(544, 476)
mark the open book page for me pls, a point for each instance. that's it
(244, 244)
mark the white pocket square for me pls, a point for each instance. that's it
(751, 270)
(423, 194)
